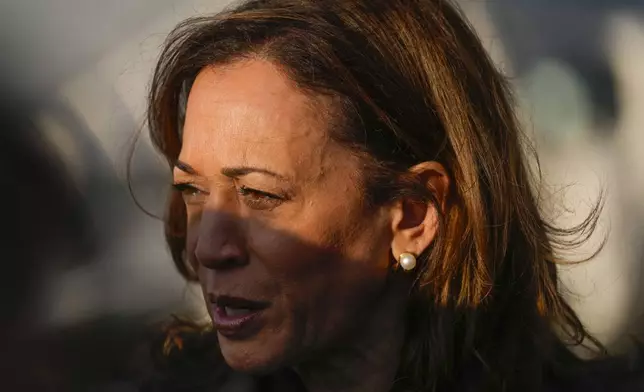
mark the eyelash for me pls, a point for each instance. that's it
(253, 198)
(187, 190)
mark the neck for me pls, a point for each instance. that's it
(369, 359)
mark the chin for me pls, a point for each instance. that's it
(253, 356)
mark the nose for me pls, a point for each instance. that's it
(220, 242)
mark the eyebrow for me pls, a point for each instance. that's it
(232, 172)
(184, 167)
(241, 171)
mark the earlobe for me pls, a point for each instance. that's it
(415, 222)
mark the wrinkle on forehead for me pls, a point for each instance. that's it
(252, 114)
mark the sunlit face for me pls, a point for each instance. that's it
(290, 259)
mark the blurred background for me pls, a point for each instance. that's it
(74, 78)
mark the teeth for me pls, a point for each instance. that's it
(236, 312)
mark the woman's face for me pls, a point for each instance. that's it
(290, 259)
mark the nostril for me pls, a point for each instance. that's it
(227, 263)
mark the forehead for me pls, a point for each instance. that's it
(249, 113)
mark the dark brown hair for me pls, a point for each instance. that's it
(411, 82)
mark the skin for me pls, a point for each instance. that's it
(276, 213)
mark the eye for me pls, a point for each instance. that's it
(259, 200)
(191, 194)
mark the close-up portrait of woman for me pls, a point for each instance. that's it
(361, 209)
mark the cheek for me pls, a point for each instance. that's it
(324, 285)
(302, 260)
(300, 269)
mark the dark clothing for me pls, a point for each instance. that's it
(205, 371)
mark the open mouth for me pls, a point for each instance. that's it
(234, 316)
(234, 312)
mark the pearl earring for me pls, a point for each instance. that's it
(407, 261)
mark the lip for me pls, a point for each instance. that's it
(236, 327)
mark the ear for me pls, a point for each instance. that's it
(415, 222)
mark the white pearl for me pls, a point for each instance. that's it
(407, 261)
